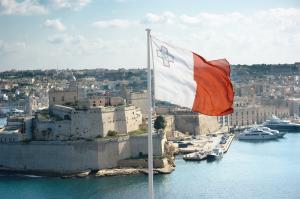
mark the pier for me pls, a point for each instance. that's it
(226, 146)
(194, 149)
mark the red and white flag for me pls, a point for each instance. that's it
(186, 79)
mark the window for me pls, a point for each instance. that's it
(62, 98)
(53, 99)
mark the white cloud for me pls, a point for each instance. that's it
(37, 7)
(115, 23)
(55, 24)
(68, 4)
(67, 44)
(164, 18)
(213, 19)
(264, 36)
(26, 7)
(66, 39)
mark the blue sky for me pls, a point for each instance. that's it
(40, 34)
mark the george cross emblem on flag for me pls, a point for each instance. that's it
(167, 58)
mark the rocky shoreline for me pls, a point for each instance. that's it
(131, 171)
(167, 169)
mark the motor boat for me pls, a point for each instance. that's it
(216, 153)
(281, 125)
(200, 155)
(275, 132)
(256, 133)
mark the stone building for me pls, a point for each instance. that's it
(66, 96)
(195, 123)
(139, 99)
(170, 125)
(67, 123)
(62, 97)
(294, 106)
(17, 129)
(253, 114)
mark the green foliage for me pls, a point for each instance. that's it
(136, 132)
(160, 123)
(112, 133)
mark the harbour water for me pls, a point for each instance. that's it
(2, 122)
(266, 170)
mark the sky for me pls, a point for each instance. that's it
(79, 34)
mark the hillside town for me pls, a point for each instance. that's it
(66, 121)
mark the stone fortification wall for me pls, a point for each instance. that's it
(138, 145)
(187, 122)
(52, 130)
(62, 157)
(139, 100)
(86, 123)
(69, 124)
(194, 123)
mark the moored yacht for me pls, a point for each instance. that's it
(281, 125)
(256, 133)
(216, 153)
(200, 155)
(275, 132)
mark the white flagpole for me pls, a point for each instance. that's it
(150, 144)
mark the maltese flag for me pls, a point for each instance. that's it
(186, 79)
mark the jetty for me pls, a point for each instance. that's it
(226, 146)
(197, 149)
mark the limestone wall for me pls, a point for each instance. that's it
(74, 156)
(138, 145)
(139, 100)
(208, 124)
(195, 124)
(133, 118)
(62, 97)
(52, 130)
(86, 123)
(187, 122)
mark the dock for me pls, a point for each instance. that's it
(205, 144)
(226, 146)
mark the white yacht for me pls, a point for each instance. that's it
(282, 125)
(256, 133)
(216, 153)
(200, 155)
(275, 132)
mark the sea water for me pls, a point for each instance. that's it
(267, 170)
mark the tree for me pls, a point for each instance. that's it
(160, 123)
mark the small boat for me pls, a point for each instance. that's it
(200, 155)
(282, 125)
(256, 133)
(216, 153)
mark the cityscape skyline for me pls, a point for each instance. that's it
(110, 34)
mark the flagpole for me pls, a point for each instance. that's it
(150, 144)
